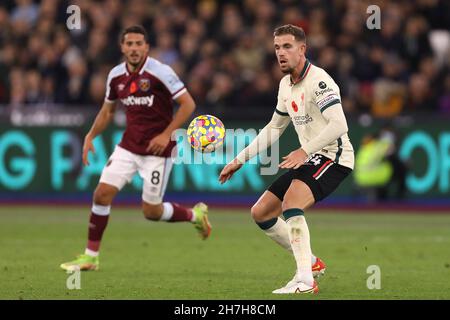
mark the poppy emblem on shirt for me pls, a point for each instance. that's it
(144, 84)
(294, 106)
(133, 87)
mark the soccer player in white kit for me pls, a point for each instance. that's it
(309, 98)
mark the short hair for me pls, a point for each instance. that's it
(134, 29)
(297, 32)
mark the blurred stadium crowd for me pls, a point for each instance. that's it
(223, 50)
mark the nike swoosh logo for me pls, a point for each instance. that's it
(316, 267)
(306, 291)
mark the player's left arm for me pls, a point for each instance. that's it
(329, 104)
(187, 106)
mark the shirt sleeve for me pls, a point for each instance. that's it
(172, 82)
(335, 128)
(266, 137)
(281, 103)
(270, 133)
(326, 93)
(111, 94)
(328, 100)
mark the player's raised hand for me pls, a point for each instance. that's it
(229, 170)
(87, 146)
(294, 159)
(158, 144)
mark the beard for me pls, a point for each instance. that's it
(287, 70)
(134, 64)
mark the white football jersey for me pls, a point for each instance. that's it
(311, 103)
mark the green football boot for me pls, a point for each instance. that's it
(201, 223)
(83, 262)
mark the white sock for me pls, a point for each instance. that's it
(100, 210)
(279, 233)
(91, 253)
(300, 243)
(167, 212)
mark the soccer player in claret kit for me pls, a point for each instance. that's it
(309, 98)
(146, 88)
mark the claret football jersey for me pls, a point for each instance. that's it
(148, 96)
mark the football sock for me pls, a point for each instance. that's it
(91, 253)
(277, 230)
(300, 242)
(173, 212)
(97, 224)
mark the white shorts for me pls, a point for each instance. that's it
(154, 170)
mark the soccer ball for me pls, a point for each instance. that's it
(206, 133)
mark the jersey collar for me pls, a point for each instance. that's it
(303, 73)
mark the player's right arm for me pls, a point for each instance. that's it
(101, 122)
(104, 117)
(266, 137)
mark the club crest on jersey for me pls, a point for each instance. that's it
(120, 87)
(144, 84)
(302, 101)
(294, 106)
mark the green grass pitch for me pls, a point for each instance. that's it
(149, 260)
